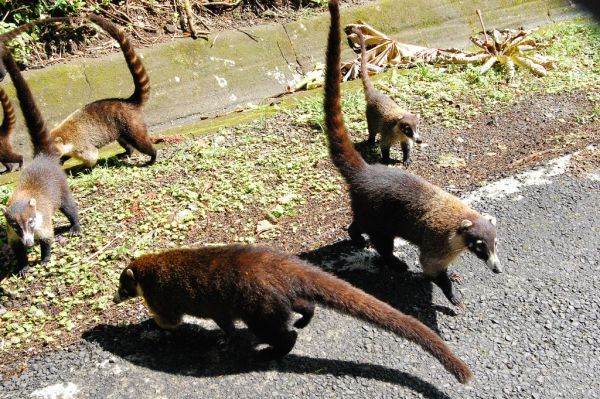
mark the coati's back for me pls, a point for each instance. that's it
(392, 201)
(42, 178)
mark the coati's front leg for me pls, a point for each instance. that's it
(46, 249)
(128, 148)
(273, 330)
(406, 146)
(20, 253)
(437, 272)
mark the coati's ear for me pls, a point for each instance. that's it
(32, 202)
(489, 217)
(58, 140)
(465, 224)
(130, 274)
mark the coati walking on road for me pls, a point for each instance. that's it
(42, 187)
(7, 156)
(101, 122)
(389, 202)
(262, 288)
(384, 116)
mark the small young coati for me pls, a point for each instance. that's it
(384, 116)
(7, 156)
(101, 122)
(262, 288)
(389, 202)
(42, 187)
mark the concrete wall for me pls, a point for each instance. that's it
(198, 78)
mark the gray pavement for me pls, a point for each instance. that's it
(531, 332)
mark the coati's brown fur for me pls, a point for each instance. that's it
(262, 288)
(384, 116)
(101, 122)
(7, 156)
(42, 187)
(389, 202)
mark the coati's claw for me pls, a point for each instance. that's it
(23, 272)
(454, 276)
(75, 231)
(407, 162)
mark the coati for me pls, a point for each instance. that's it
(389, 202)
(7, 156)
(384, 116)
(42, 187)
(99, 123)
(262, 288)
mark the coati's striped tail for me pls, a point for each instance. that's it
(6, 36)
(339, 295)
(343, 154)
(140, 77)
(10, 118)
(33, 119)
(364, 72)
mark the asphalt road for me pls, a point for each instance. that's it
(532, 332)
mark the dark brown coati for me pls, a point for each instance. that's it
(384, 116)
(389, 202)
(42, 187)
(262, 288)
(7, 156)
(101, 122)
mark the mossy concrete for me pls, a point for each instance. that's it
(193, 79)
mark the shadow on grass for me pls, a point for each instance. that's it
(193, 351)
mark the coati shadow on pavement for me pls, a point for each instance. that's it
(191, 350)
(408, 292)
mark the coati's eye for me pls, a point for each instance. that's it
(31, 222)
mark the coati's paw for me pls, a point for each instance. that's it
(75, 231)
(456, 300)
(454, 276)
(407, 163)
(23, 272)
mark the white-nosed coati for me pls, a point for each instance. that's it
(262, 288)
(384, 116)
(7, 156)
(101, 122)
(42, 187)
(389, 202)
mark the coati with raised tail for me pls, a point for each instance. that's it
(101, 122)
(42, 188)
(384, 116)
(7, 156)
(389, 202)
(262, 288)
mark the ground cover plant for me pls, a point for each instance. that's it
(271, 181)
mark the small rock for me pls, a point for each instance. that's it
(219, 140)
(264, 225)
(170, 28)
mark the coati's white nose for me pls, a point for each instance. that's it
(417, 138)
(494, 264)
(28, 240)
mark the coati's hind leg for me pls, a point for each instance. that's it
(128, 148)
(273, 330)
(355, 233)
(143, 144)
(306, 309)
(384, 244)
(167, 321)
(69, 209)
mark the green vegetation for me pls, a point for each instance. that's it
(218, 189)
